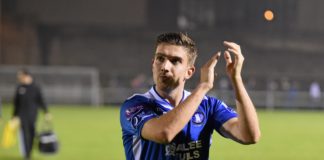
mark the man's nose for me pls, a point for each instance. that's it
(166, 66)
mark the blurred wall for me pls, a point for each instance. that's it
(310, 15)
(109, 13)
(117, 36)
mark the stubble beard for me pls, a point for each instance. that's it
(167, 84)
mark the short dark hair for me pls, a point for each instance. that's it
(25, 71)
(180, 39)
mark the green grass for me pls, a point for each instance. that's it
(94, 133)
(84, 133)
(286, 135)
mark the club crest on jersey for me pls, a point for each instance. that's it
(198, 118)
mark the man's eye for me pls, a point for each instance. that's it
(160, 58)
(175, 61)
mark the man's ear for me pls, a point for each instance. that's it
(190, 72)
(152, 64)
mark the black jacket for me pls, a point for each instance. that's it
(28, 98)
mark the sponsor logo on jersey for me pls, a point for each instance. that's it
(190, 150)
(133, 110)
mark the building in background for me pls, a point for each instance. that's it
(115, 37)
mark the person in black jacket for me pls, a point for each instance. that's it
(28, 99)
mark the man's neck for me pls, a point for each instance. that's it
(173, 96)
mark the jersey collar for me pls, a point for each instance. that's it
(163, 101)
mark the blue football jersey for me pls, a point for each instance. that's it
(192, 142)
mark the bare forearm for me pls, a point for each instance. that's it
(181, 115)
(248, 122)
(167, 126)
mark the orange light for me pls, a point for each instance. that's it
(268, 15)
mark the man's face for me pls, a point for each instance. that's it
(171, 67)
(20, 77)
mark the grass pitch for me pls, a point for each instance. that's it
(94, 133)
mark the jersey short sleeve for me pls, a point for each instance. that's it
(134, 113)
(220, 113)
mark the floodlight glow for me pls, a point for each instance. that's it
(268, 15)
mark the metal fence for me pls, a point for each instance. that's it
(60, 85)
(261, 99)
(80, 85)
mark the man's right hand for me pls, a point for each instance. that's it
(208, 72)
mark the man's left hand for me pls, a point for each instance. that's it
(233, 67)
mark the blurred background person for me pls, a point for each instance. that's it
(315, 93)
(28, 98)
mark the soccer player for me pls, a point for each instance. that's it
(168, 122)
(28, 98)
